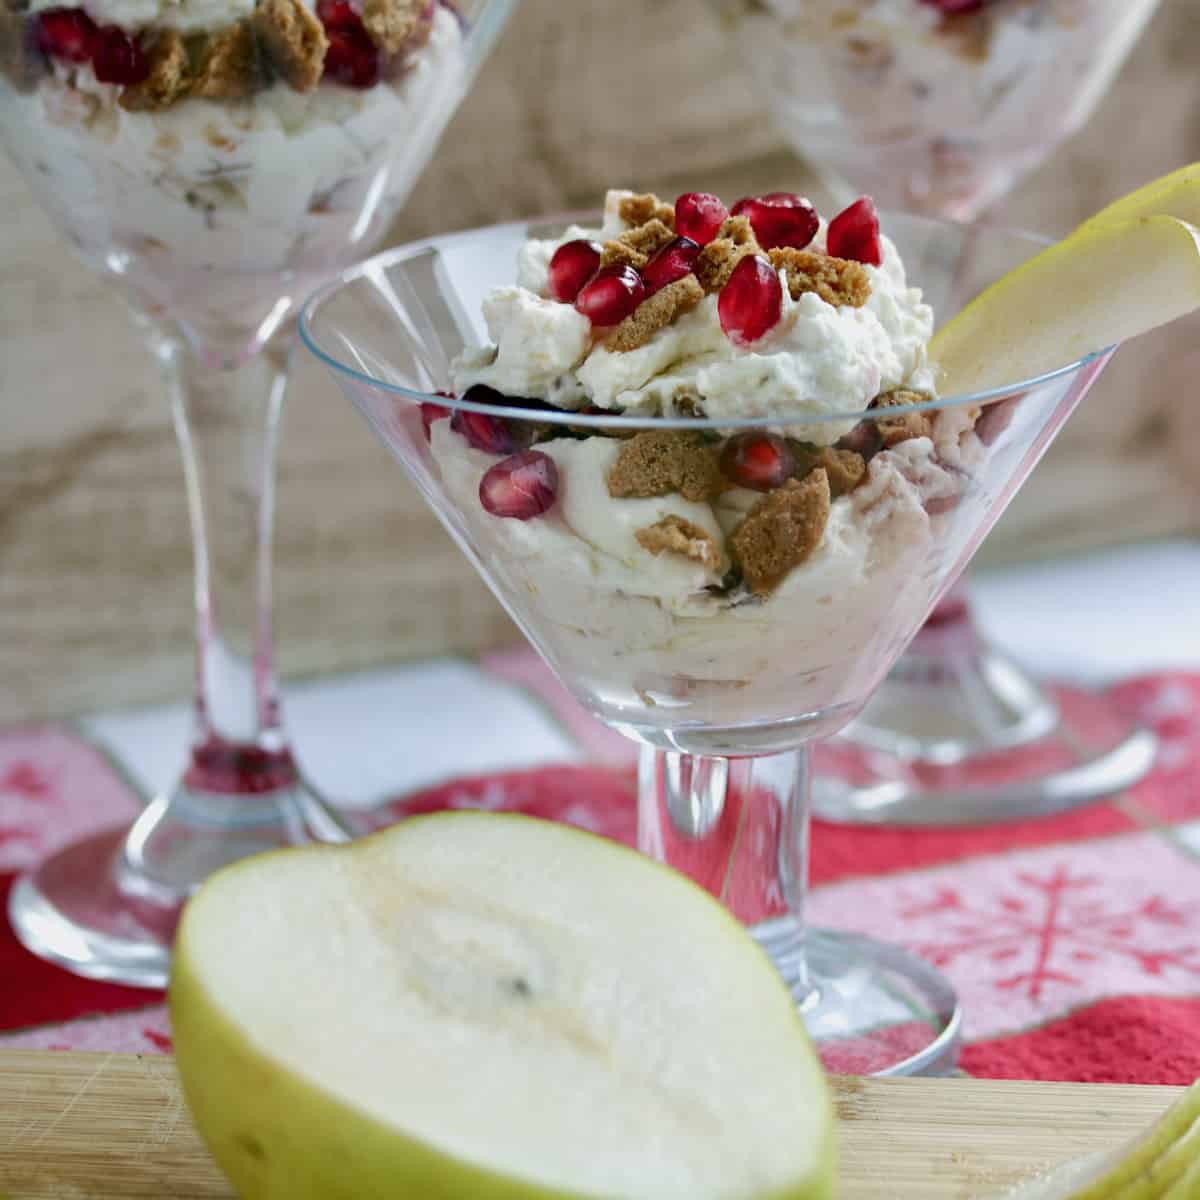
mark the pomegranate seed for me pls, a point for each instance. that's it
(432, 412)
(520, 487)
(336, 13)
(672, 262)
(487, 433)
(117, 58)
(864, 439)
(760, 461)
(573, 264)
(66, 33)
(750, 303)
(611, 295)
(780, 219)
(955, 6)
(352, 58)
(854, 233)
(699, 215)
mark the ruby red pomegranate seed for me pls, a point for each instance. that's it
(672, 262)
(955, 6)
(864, 439)
(117, 58)
(611, 295)
(854, 233)
(67, 33)
(780, 219)
(352, 58)
(431, 412)
(699, 215)
(490, 434)
(750, 303)
(573, 264)
(520, 487)
(760, 461)
(335, 13)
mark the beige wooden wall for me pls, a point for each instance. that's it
(94, 562)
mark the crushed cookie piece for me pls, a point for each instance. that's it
(715, 263)
(846, 469)
(620, 254)
(227, 66)
(837, 281)
(659, 462)
(781, 531)
(654, 314)
(391, 23)
(678, 535)
(739, 231)
(294, 40)
(899, 429)
(169, 79)
(637, 210)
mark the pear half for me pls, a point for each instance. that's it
(1108, 282)
(479, 1006)
(1174, 195)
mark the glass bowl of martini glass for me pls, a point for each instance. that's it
(215, 162)
(940, 107)
(643, 449)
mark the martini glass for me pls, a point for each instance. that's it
(214, 218)
(940, 108)
(726, 692)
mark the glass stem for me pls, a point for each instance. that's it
(739, 828)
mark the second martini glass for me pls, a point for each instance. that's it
(939, 107)
(216, 173)
(727, 693)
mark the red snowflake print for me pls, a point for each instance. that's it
(22, 785)
(1050, 925)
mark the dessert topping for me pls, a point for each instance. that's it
(638, 245)
(678, 535)
(760, 461)
(655, 313)
(228, 66)
(846, 469)
(894, 430)
(294, 41)
(780, 219)
(716, 262)
(781, 531)
(637, 210)
(573, 264)
(750, 304)
(837, 281)
(611, 295)
(520, 487)
(699, 216)
(169, 76)
(672, 262)
(490, 434)
(392, 23)
(854, 233)
(658, 462)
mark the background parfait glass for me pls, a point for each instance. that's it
(726, 692)
(214, 211)
(940, 107)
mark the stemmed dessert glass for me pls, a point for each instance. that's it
(727, 693)
(939, 107)
(216, 177)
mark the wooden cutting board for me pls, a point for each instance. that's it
(114, 1127)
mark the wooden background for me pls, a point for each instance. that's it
(94, 560)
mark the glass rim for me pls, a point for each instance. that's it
(552, 416)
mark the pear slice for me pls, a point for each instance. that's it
(1104, 284)
(479, 1006)
(1174, 195)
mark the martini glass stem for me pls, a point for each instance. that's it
(739, 828)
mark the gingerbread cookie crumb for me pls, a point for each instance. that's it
(169, 79)
(661, 461)
(677, 535)
(714, 264)
(895, 430)
(739, 231)
(619, 254)
(656, 313)
(837, 281)
(391, 23)
(637, 210)
(227, 64)
(846, 469)
(294, 40)
(781, 531)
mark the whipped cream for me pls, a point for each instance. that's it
(188, 16)
(201, 207)
(818, 359)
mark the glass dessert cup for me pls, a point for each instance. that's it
(940, 108)
(215, 186)
(726, 686)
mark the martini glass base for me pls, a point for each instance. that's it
(974, 740)
(107, 907)
(871, 1008)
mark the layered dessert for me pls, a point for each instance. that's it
(934, 104)
(216, 153)
(761, 549)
